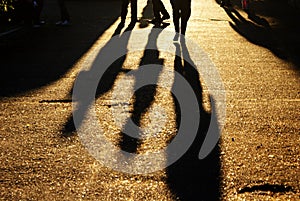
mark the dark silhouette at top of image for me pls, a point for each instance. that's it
(64, 14)
(280, 35)
(159, 11)
(34, 58)
(124, 10)
(181, 14)
(37, 10)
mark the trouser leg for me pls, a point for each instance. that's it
(185, 16)
(124, 9)
(162, 8)
(64, 14)
(156, 9)
(176, 14)
(37, 11)
(133, 9)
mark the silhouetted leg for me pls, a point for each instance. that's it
(163, 10)
(185, 16)
(158, 7)
(64, 14)
(37, 11)
(176, 14)
(133, 10)
(26, 12)
(156, 13)
(124, 10)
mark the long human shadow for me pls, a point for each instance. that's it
(189, 178)
(282, 39)
(32, 58)
(259, 33)
(144, 96)
(107, 80)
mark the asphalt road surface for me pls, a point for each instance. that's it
(256, 56)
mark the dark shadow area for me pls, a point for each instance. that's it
(144, 96)
(189, 178)
(148, 11)
(33, 58)
(274, 188)
(147, 15)
(108, 78)
(254, 32)
(273, 24)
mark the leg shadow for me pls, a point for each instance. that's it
(143, 96)
(257, 32)
(107, 80)
(190, 178)
(33, 58)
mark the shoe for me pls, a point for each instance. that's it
(165, 17)
(63, 23)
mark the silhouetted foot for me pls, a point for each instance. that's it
(165, 17)
(63, 23)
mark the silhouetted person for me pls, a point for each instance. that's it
(37, 10)
(124, 10)
(159, 11)
(64, 14)
(182, 13)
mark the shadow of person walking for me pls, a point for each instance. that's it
(190, 178)
(143, 96)
(107, 80)
(34, 58)
(256, 30)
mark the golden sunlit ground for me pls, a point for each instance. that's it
(257, 157)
